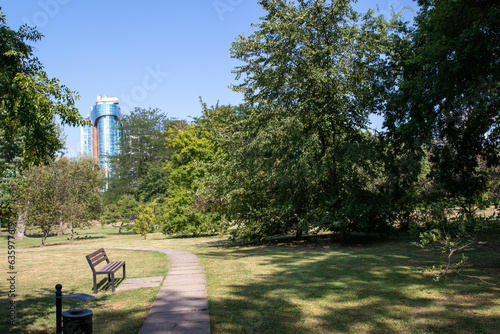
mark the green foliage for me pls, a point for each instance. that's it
(124, 212)
(453, 232)
(447, 96)
(83, 185)
(442, 112)
(30, 101)
(403, 181)
(148, 218)
(191, 148)
(155, 182)
(138, 168)
(301, 156)
(62, 191)
(42, 192)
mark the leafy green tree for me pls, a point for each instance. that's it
(148, 218)
(444, 102)
(11, 164)
(220, 124)
(110, 215)
(124, 212)
(155, 182)
(30, 102)
(310, 77)
(43, 189)
(29, 98)
(238, 186)
(137, 169)
(191, 147)
(83, 200)
(448, 97)
(62, 191)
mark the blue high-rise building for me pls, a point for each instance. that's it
(101, 139)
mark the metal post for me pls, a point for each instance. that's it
(58, 309)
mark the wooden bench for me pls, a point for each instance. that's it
(109, 269)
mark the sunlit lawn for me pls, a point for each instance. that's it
(284, 287)
(377, 288)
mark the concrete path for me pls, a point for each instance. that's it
(137, 283)
(181, 305)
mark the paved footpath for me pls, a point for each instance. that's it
(181, 305)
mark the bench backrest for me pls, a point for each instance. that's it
(97, 257)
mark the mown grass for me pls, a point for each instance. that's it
(376, 288)
(314, 286)
(62, 261)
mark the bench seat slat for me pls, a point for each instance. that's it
(110, 267)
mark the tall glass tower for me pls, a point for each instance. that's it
(101, 139)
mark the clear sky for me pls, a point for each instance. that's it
(152, 53)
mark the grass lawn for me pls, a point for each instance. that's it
(284, 287)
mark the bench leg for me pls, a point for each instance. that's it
(95, 283)
(124, 271)
(113, 282)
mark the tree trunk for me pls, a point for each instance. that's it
(72, 234)
(343, 234)
(61, 231)
(298, 228)
(22, 217)
(44, 237)
(222, 225)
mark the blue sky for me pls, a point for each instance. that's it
(152, 53)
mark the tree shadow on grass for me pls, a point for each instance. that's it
(348, 290)
(104, 285)
(83, 236)
(330, 240)
(40, 308)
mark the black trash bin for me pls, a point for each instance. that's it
(77, 321)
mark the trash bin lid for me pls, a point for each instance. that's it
(77, 313)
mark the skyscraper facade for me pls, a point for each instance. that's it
(101, 138)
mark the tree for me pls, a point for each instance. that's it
(155, 182)
(11, 164)
(29, 98)
(239, 187)
(310, 78)
(444, 101)
(42, 193)
(83, 201)
(62, 191)
(448, 92)
(191, 148)
(137, 169)
(30, 102)
(147, 218)
(124, 211)
(220, 124)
